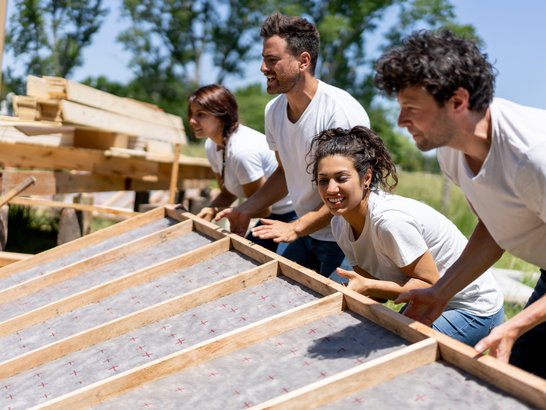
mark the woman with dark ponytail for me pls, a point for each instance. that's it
(394, 243)
(238, 155)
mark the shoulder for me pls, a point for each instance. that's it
(276, 104)
(341, 105)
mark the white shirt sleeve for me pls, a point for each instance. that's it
(399, 236)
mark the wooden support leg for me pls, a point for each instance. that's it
(4, 226)
(69, 226)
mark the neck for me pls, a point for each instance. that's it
(475, 139)
(300, 96)
(357, 218)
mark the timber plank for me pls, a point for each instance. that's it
(138, 319)
(73, 113)
(67, 253)
(94, 262)
(199, 353)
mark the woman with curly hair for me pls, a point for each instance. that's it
(394, 243)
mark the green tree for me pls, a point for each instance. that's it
(173, 36)
(47, 36)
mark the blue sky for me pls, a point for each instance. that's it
(514, 33)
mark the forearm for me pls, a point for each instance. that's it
(480, 253)
(390, 290)
(528, 318)
(312, 221)
(273, 190)
(222, 200)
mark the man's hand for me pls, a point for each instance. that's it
(238, 221)
(276, 230)
(424, 305)
(499, 342)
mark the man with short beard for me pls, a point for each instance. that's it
(305, 107)
(495, 151)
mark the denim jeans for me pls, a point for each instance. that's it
(529, 351)
(466, 327)
(269, 243)
(321, 256)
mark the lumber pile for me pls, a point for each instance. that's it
(82, 116)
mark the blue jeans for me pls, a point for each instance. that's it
(321, 256)
(529, 351)
(466, 327)
(269, 243)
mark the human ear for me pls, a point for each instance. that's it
(459, 99)
(305, 60)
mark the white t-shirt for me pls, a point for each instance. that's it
(331, 107)
(509, 191)
(248, 158)
(397, 231)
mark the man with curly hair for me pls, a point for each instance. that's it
(494, 150)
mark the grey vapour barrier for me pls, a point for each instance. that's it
(165, 310)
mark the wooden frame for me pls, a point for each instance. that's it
(216, 269)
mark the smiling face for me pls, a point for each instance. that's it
(281, 68)
(205, 125)
(429, 124)
(341, 188)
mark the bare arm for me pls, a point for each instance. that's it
(479, 254)
(273, 190)
(502, 338)
(221, 201)
(421, 273)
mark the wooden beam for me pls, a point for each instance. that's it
(174, 174)
(7, 258)
(97, 237)
(195, 355)
(57, 87)
(38, 283)
(78, 207)
(511, 379)
(64, 182)
(110, 288)
(3, 11)
(136, 320)
(74, 113)
(20, 155)
(13, 192)
(350, 381)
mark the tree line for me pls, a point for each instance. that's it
(168, 40)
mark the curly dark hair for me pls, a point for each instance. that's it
(440, 62)
(220, 102)
(365, 147)
(300, 35)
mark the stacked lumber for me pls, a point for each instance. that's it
(100, 120)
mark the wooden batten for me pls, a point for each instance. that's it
(73, 113)
(138, 319)
(97, 237)
(195, 355)
(48, 279)
(366, 375)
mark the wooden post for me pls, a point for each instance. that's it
(3, 11)
(174, 174)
